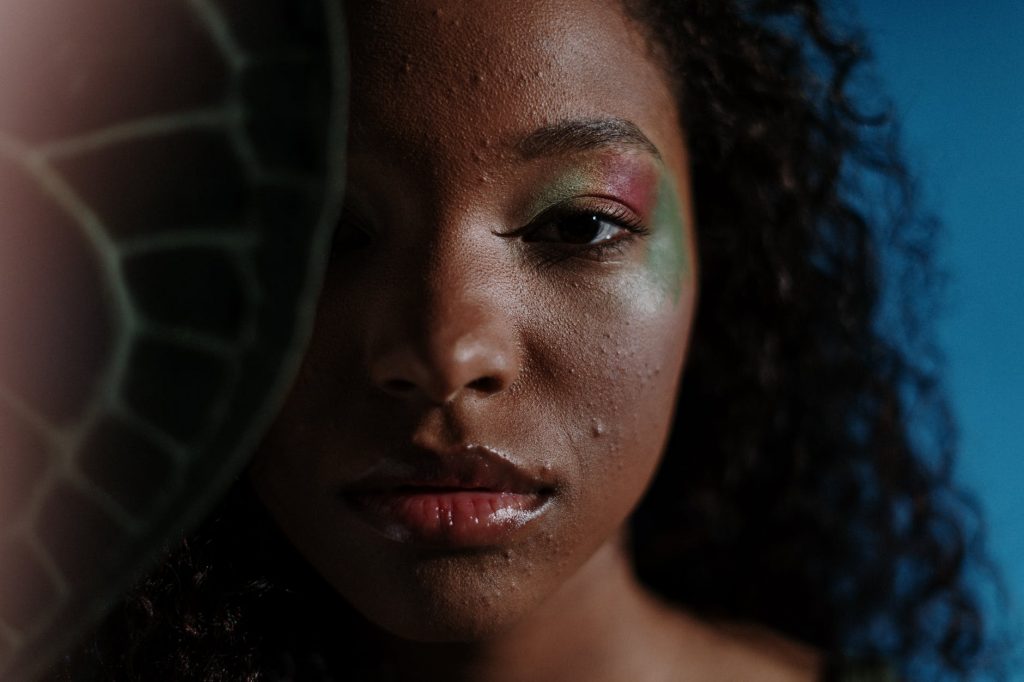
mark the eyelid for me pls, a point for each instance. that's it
(609, 207)
(631, 228)
(617, 217)
(550, 252)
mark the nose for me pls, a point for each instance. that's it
(451, 336)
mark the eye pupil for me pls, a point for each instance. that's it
(579, 229)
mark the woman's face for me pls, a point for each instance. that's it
(501, 332)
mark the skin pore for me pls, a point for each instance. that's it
(514, 271)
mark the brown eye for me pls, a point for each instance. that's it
(586, 228)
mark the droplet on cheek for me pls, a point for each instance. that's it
(596, 428)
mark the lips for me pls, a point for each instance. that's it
(468, 496)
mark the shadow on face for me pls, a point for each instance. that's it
(502, 329)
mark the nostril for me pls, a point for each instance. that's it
(399, 385)
(486, 385)
(437, 369)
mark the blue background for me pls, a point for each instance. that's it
(955, 72)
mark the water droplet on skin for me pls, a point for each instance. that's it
(596, 428)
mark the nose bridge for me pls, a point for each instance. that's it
(452, 330)
(461, 293)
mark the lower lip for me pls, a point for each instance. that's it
(460, 518)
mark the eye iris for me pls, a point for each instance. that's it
(580, 229)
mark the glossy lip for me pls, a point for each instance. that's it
(467, 496)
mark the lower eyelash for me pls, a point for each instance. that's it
(597, 252)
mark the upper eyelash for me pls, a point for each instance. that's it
(619, 216)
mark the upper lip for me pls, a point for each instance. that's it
(463, 467)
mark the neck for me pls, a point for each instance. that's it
(600, 625)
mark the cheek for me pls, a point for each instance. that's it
(617, 343)
(301, 447)
(613, 373)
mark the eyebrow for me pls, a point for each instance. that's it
(567, 137)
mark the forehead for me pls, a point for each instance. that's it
(480, 75)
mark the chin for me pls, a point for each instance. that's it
(445, 626)
(452, 599)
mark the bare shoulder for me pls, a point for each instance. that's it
(771, 657)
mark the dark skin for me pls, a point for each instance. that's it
(515, 269)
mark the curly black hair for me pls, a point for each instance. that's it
(813, 494)
(819, 500)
